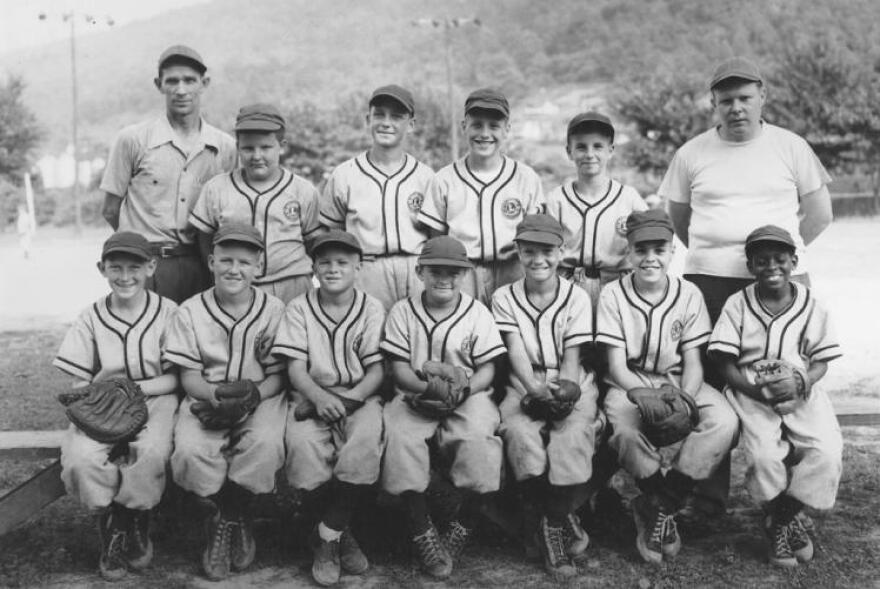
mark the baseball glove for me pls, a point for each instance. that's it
(781, 382)
(111, 411)
(234, 402)
(668, 413)
(448, 387)
(558, 405)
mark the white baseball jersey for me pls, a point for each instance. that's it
(379, 209)
(482, 215)
(468, 337)
(594, 233)
(205, 337)
(337, 353)
(800, 334)
(286, 214)
(547, 333)
(100, 345)
(654, 335)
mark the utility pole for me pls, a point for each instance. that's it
(448, 24)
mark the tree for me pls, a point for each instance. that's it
(20, 134)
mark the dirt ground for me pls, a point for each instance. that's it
(58, 547)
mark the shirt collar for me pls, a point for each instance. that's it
(161, 133)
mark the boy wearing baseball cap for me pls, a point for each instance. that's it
(329, 338)
(122, 335)
(224, 451)
(652, 326)
(376, 196)
(441, 330)
(481, 198)
(779, 320)
(283, 206)
(544, 320)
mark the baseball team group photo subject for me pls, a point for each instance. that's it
(410, 342)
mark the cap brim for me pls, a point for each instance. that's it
(240, 239)
(401, 101)
(132, 251)
(539, 237)
(486, 105)
(336, 243)
(264, 126)
(587, 123)
(445, 262)
(770, 239)
(734, 75)
(649, 234)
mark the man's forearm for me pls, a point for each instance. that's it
(110, 209)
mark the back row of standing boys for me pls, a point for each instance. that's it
(546, 266)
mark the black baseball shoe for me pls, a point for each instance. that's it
(552, 543)
(114, 538)
(433, 557)
(140, 546)
(325, 559)
(351, 557)
(216, 557)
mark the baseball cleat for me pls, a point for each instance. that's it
(552, 544)
(799, 541)
(351, 557)
(111, 530)
(455, 538)
(216, 556)
(432, 554)
(325, 563)
(576, 538)
(781, 554)
(243, 548)
(140, 546)
(650, 529)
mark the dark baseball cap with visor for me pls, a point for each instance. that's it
(590, 121)
(182, 54)
(487, 99)
(397, 93)
(444, 251)
(240, 233)
(542, 229)
(738, 68)
(127, 242)
(259, 118)
(769, 234)
(338, 238)
(651, 225)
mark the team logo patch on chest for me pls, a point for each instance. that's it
(356, 343)
(676, 329)
(467, 344)
(414, 201)
(620, 226)
(511, 208)
(291, 211)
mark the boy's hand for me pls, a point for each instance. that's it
(329, 407)
(541, 390)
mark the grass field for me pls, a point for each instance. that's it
(58, 547)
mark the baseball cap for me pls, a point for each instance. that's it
(444, 251)
(336, 237)
(736, 67)
(395, 92)
(183, 53)
(241, 232)
(259, 117)
(127, 242)
(539, 229)
(771, 233)
(488, 99)
(651, 225)
(589, 120)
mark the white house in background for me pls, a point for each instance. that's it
(56, 171)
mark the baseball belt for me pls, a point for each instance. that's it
(173, 250)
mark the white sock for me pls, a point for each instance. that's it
(328, 534)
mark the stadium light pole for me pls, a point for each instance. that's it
(448, 24)
(70, 17)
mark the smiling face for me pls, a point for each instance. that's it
(539, 260)
(486, 132)
(590, 152)
(182, 86)
(127, 275)
(771, 264)
(259, 154)
(234, 266)
(336, 268)
(442, 283)
(738, 105)
(650, 261)
(389, 122)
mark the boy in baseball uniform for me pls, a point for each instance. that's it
(377, 196)
(442, 324)
(794, 446)
(593, 208)
(544, 320)
(281, 205)
(122, 335)
(652, 326)
(481, 198)
(224, 335)
(330, 340)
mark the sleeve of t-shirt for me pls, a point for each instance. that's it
(502, 311)
(487, 342)
(810, 174)
(396, 340)
(311, 211)
(579, 327)
(120, 164)
(726, 337)
(78, 355)
(609, 327)
(820, 342)
(676, 185)
(698, 327)
(334, 202)
(291, 340)
(204, 216)
(433, 211)
(182, 348)
(372, 335)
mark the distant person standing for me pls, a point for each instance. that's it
(156, 170)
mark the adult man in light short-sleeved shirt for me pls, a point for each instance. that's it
(156, 170)
(737, 176)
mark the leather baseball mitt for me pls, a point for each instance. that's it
(557, 406)
(111, 411)
(448, 387)
(668, 413)
(234, 401)
(781, 382)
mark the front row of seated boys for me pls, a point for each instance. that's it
(332, 432)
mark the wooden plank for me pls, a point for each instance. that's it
(31, 445)
(30, 497)
(859, 419)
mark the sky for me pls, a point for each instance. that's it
(21, 27)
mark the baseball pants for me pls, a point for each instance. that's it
(136, 481)
(249, 454)
(567, 454)
(288, 289)
(485, 277)
(699, 453)
(811, 435)
(349, 451)
(466, 439)
(592, 286)
(389, 278)
(179, 277)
